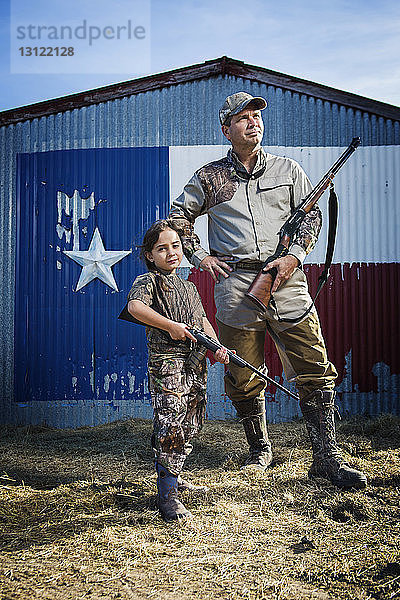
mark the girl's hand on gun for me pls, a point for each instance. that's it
(179, 331)
(221, 356)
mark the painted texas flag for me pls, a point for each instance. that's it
(81, 217)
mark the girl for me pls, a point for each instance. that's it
(169, 306)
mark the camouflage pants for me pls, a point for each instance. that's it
(178, 397)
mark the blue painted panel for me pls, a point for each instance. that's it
(69, 344)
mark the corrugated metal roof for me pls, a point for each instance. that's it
(188, 114)
(224, 66)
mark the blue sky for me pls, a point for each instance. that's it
(350, 45)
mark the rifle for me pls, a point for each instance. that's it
(213, 345)
(205, 340)
(260, 290)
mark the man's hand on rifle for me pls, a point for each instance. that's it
(285, 266)
(216, 266)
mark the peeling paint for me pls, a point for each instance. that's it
(63, 231)
(77, 208)
(131, 379)
(91, 374)
(347, 384)
(106, 385)
(387, 382)
(108, 379)
(350, 394)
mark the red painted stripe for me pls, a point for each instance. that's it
(359, 312)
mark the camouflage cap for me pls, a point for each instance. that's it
(235, 103)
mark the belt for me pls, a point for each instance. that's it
(247, 265)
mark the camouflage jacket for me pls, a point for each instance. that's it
(174, 298)
(245, 212)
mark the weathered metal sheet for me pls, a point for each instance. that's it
(359, 315)
(186, 115)
(223, 67)
(69, 346)
(359, 305)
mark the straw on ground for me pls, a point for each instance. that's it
(79, 519)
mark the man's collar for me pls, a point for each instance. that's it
(241, 170)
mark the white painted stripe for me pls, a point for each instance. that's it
(368, 187)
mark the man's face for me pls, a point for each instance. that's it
(246, 129)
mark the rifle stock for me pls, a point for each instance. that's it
(260, 289)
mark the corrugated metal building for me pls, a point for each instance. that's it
(87, 173)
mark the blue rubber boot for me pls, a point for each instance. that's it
(171, 509)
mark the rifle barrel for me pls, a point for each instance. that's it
(332, 171)
(213, 345)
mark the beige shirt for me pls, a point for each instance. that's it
(245, 214)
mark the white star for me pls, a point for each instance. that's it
(96, 262)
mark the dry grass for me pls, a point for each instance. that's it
(78, 518)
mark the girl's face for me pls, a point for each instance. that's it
(167, 252)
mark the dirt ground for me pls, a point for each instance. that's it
(78, 517)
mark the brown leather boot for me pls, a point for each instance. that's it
(318, 411)
(252, 415)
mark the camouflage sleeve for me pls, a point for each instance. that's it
(142, 289)
(185, 210)
(310, 227)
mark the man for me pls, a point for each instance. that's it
(248, 195)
